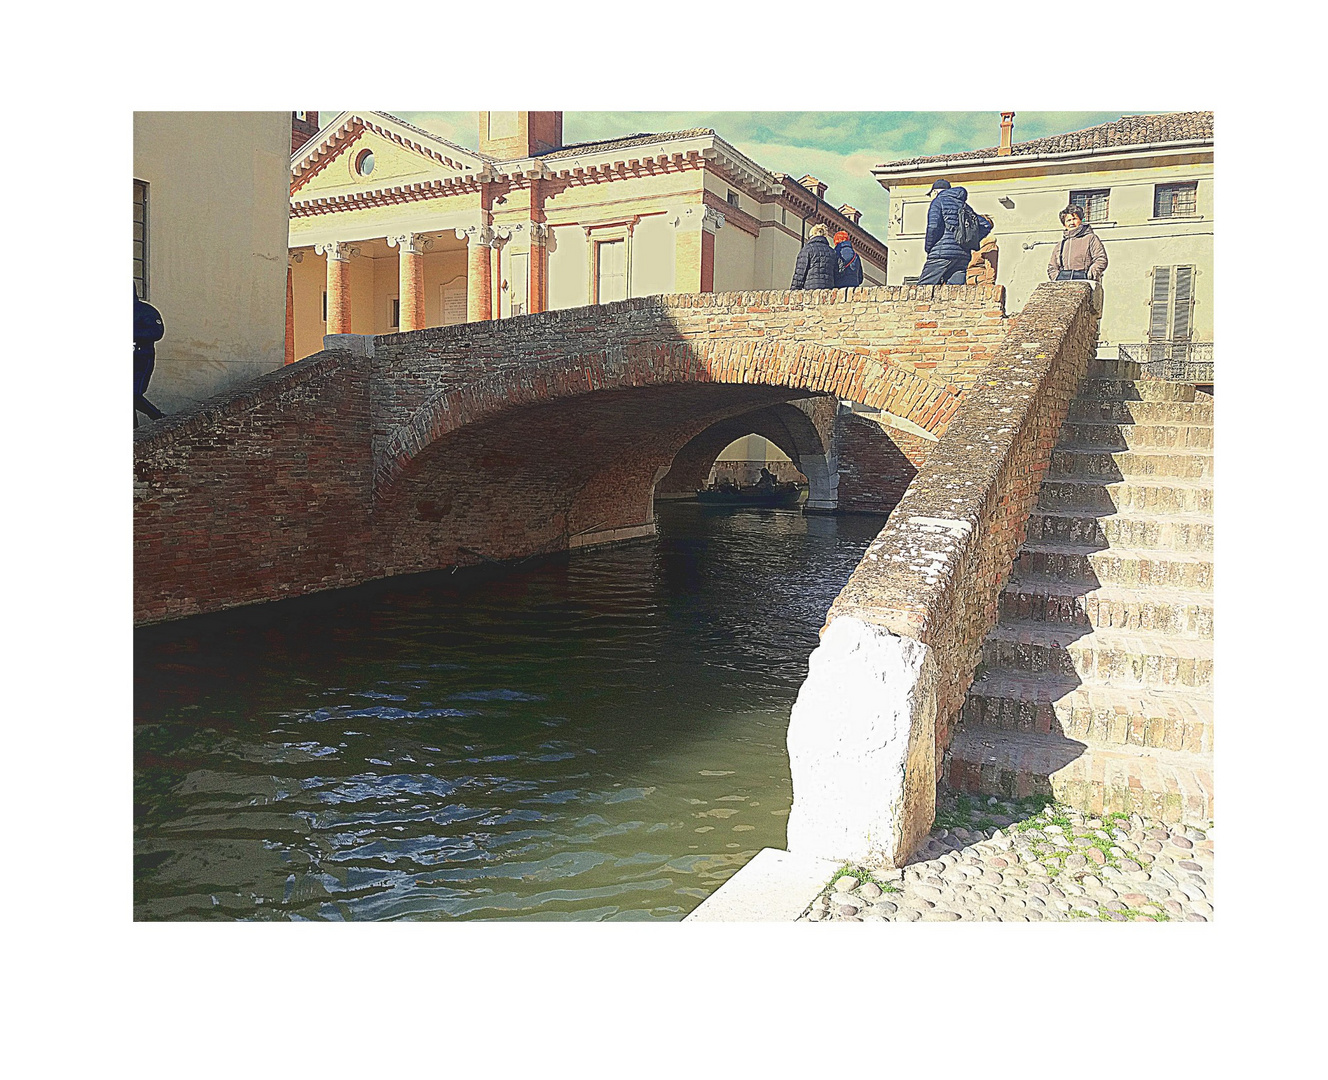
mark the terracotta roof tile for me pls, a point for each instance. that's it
(1127, 131)
(640, 138)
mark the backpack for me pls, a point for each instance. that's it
(147, 322)
(968, 228)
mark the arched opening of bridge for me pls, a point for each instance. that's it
(793, 440)
(742, 461)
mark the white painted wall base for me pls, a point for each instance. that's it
(862, 746)
(776, 886)
(611, 536)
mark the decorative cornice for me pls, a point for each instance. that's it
(739, 219)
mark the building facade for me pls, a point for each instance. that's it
(211, 201)
(393, 228)
(1146, 183)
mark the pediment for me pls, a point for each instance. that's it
(402, 154)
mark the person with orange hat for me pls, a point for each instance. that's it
(848, 271)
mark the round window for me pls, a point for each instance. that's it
(364, 162)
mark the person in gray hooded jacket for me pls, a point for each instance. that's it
(1079, 255)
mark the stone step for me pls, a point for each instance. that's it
(1114, 369)
(1173, 532)
(1074, 605)
(1164, 784)
(1139, 437)
(1134, 390)
(1097, 715)
(1089, 565)
(1102, 411)
(1105, 656)
(1160, 496)
(1107, 464)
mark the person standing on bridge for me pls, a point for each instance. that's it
(848, 272)
(817, 260)
(947, 259)
(1080, 255)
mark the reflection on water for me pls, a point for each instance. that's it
(599, 736)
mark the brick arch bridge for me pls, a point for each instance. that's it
(497, 440)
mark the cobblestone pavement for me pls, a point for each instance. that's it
(988, 860)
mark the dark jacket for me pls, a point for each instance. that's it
(942, 216)
(848, 272)
(148, 329)
(816, 264)
(1078, 250)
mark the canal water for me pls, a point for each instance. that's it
(599, 736)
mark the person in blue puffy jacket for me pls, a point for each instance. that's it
(848, 273)
(947, 261)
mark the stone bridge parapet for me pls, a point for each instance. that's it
(904, 636)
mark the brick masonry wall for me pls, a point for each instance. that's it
(252, 495)
(902, 349)
(936, 570)
(503, 439)
(876, 465)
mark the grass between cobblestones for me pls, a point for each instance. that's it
(1036, 814)
(863, 876)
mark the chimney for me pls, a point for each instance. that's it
(1007, 134)
(509, 136)
(304, 126)
(813, 185)
(850, 212)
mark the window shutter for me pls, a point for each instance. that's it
(1184, 303)
(1157, 322)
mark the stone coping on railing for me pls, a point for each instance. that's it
(238, 399)
(518, 325)
(932, 577)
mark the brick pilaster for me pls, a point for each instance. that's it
(537, 298)
(290, 310)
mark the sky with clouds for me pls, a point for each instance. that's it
(839, 148)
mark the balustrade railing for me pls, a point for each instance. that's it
(1178, 361)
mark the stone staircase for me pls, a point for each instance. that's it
(1096, 683)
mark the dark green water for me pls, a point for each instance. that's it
(597, 737)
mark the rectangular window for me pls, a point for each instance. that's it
(1171, 307)
(141, 239)
(1175, 200)
(396, 313)
(911, 281)
(324, 307)
(733, 199)
(1094, 201)
(610, 271)
(914, 219)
